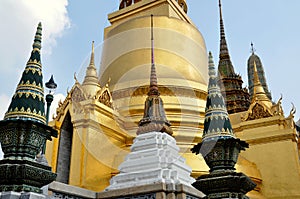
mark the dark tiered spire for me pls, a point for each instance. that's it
(28, 100)
(236, 97)
(154, 113)
(225, 66)
(260, 71)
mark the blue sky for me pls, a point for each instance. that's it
(71, 26)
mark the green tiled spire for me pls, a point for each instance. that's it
(219, 146)
(24, 131)
(216, 122)
(28, 100)
(220, 149)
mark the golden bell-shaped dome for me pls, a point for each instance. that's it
(180, 59)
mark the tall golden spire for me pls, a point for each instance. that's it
(154, 119)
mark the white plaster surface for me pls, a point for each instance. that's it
(154, 158)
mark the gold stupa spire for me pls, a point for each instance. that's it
(259, 93)
(90, 83)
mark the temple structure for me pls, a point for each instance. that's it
(106, 113)
(154, 158)
(105, 150)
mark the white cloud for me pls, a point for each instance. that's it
(19, 19)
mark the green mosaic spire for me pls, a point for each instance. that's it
(28, 100)
(216, 121)
(220, 149)
(219, 146)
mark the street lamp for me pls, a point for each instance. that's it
(51, 85)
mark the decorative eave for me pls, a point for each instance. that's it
(257, 110)
(104, 96)
(77, 95)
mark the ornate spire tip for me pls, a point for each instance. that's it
(38, 37)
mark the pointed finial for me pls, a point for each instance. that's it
(211, 65)
(38, 37)
(225, 67)
(153, 78)
(222, 30)
(252, 48)
(220, 7)
(92, 61)
(91, 83)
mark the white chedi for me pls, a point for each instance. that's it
(154, 158)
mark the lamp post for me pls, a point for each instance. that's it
(51, 85)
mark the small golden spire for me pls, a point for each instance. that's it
(259, 93)
(90, 82)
